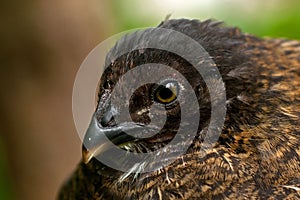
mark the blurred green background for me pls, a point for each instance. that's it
(43, 44)
(274, 18)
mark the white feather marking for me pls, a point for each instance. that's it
(159, 193)
(291, 187)
(144, 110)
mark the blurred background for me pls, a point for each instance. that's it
(43, 44)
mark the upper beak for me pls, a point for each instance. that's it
(94, 141)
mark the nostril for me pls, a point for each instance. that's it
(107, 119)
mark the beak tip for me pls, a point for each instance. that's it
(86, 155)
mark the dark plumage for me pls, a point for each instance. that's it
(258, 153)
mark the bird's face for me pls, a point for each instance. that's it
(144, 117)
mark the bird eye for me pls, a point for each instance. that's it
(166, 92)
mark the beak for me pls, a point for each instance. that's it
(99, 139)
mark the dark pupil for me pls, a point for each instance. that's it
(165, 93)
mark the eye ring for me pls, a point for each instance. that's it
(166, 93)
